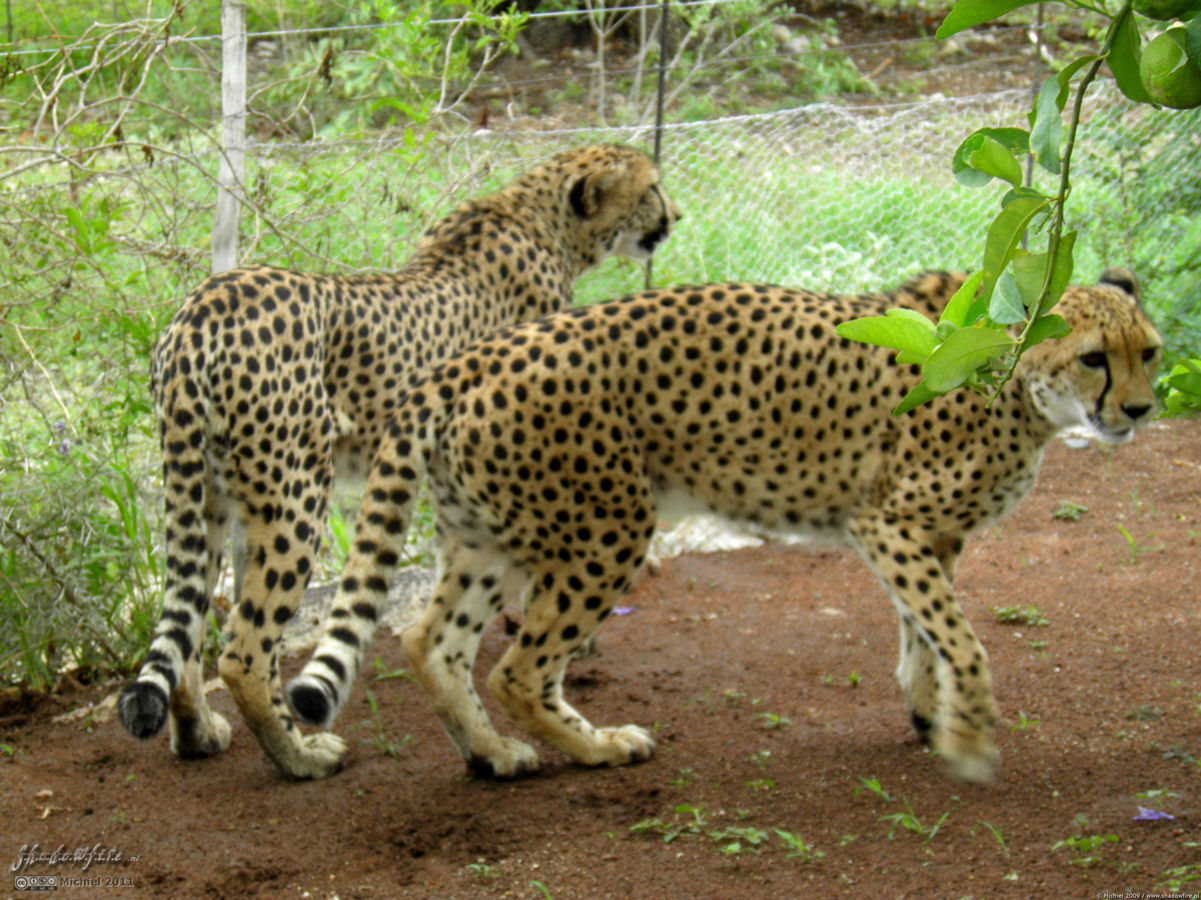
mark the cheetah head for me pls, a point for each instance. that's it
(1099, 378)
(617, 203)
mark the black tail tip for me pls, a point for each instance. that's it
(143, 709)
(310, 702)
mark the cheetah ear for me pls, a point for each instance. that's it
(1121, 277)
(587, 195)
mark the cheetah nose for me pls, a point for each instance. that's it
(1136, 410)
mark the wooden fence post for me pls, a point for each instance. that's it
(230, 175)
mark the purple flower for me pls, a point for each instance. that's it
(1146, 814)
(64, 446)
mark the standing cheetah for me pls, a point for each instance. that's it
(552, 449)
(267, 382)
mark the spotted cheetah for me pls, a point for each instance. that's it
(268, 382)
(552, 449)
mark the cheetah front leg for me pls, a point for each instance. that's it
(567, 606)
(917, 668)
(473, 587)
(910, 564)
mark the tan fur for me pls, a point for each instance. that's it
(268, 382)
(550, 447)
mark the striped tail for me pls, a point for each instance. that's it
(144, 704)
(318, 693)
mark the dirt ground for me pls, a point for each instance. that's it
(766, 674)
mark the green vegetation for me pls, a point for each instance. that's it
(692, 821)
(905, 818)
(1069, 510)
(1020, 615)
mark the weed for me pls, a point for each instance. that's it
(481, 871)
(995, 831)
(771, 720)
(760, 758)
(380, 738)
(798, 848)
(542, 889)
(7, 750)
(1145, 713)
(1135, 548)
(1085, 845)
(745, 839)
(1069, 511)
(1016, 615)
(694, 824)
(910, 822)
(1174, 880)
(733, 697)
(873, 785)
(1023, 722)
(854, 678)
(383, 674)
(761, 784)
(683, 777)
(1155, 794)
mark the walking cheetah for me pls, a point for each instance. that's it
(551, 450)
(267, 382)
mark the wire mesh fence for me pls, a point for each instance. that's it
(107, 200)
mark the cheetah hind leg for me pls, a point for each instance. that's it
(528, 680)
(249, 664)
(473, 587)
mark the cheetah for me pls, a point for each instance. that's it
(553, 448)
(269, 383)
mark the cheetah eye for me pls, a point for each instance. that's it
(1094, 360)
(1150, 353)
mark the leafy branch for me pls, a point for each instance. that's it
(1005, 308)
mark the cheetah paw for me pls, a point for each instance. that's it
(200, 737)
(319, 756)
(970, 757)
(623, 745)
(513, 759)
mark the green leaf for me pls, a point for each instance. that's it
(969, 13)
(904, 330)
(957, 307)
(974, 150)
(1045, 328)
(1005, 306)
(920, 393)
(1030, 272)
(1046, 128)
(958, 358)
(994, 159)
(1004, 235)
(1124, 57)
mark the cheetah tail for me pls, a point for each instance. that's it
(317, 694)
(144, 703)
